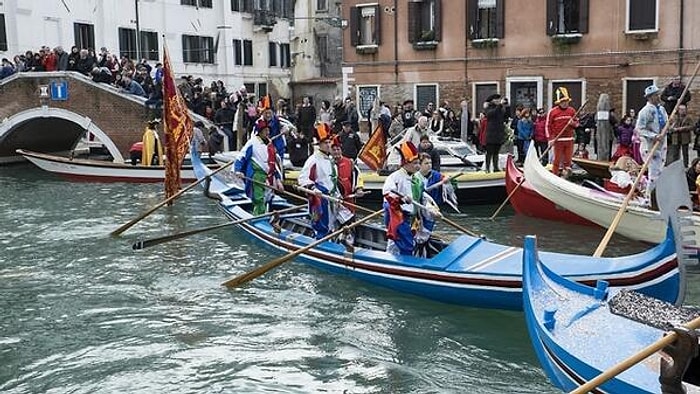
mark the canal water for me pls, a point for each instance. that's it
(81, 312)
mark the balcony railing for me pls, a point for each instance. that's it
(264, 18)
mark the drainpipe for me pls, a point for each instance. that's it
(138, 32)
(680, 38)
(396, 39)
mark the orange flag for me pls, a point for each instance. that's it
(373, 153)
(177, 126)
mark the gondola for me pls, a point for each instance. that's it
(467, 270)
(578, 331)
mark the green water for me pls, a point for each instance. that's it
(81, 312)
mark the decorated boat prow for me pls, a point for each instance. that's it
(580, 331)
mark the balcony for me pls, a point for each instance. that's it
(264, 19)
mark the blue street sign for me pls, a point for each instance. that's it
(59, 91)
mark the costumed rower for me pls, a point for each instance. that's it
(151, 148)
(651, 120)
(350, 185)
(436, 184)
(320, 175)
(557, 118)
(257, 161)
(398, 192)
(272, 120)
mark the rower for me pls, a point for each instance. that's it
(350, 185)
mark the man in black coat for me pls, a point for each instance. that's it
(495, 129)
(672, 92)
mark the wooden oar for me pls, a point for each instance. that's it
(442, 217)
(167, 200)
(248, 276)
(157, 241)
(634, 359)
(512, 192)
(623, 207)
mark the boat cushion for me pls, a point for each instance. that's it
(650, 311)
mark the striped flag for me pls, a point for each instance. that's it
(373, 153)
(177, 126)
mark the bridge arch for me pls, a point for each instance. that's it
(21, 121)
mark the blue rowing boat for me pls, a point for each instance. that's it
(579, 331)
(467, 271)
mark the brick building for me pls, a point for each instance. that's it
(435, 50)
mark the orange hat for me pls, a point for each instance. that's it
(323, 132)
(264, 103)
(408, 152)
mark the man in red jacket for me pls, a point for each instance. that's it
(559, 126)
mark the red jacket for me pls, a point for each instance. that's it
(557, 118)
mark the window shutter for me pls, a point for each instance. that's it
(377, 24)
(583, 16)
(413, 15)
(438, 20)
(500, 19)
(354, 26)
(551, 17)
(472, 12)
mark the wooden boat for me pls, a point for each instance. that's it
(526, 201)
(575, 335)
(102, 171)
(600, 207)
(596, 168)
(469, 270)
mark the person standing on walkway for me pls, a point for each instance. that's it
(495, 114)
(672, 92)
(679, 133)
(560, 125)
(651, 121)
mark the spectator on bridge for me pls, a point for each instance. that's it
(224, 119)
(131, 87)
(6, 68)
(19, 63)
(34, 62)
(73, 58)
(85, 62)
(158, 77)
(101, 75)
(61, 58)
(155, 98)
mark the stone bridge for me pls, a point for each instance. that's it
(52, 111)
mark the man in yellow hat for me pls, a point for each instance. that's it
(559, 126)
(152, 150)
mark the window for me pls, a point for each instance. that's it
(149, 45)
(247, 52)
(364, 25)
(366, 95)
(84, 35)
(285, 56)
(322, 44)
(634, 94)
(321, 5)
(263, 5)
(642, 15)
(272, 54)
(481, 92)
(127, 43)
(3, 33)
(486, 19)
(567, 17)
(262, 90)
(197, 49)
(237, 53)
(424, 21)
(426, 94)
(242, 5)
(197, 3)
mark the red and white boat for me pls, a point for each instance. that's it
(526, 201)
(87, 170)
